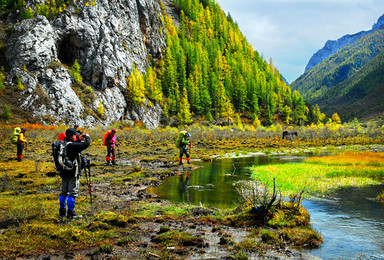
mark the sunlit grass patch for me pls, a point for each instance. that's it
(351, 158)
(321, 175)
(178, 238)
(42, 236)
(301, 236)
(16, 208)
(147, 210)
(250, 245)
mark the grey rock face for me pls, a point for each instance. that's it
(331, 47)
(150, 115)
(107, 40)
(31, 44)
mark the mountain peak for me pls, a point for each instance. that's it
(379, 24)
(331, 47)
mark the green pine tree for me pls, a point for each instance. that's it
(184, 115)
(6, 113)
(75, 72)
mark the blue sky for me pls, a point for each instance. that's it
(291, 31)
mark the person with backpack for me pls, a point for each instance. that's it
(184, 142)
(21, 142)
(110, 142)
(70, 176)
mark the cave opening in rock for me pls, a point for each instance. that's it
(68, 50)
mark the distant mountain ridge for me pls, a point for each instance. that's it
(360, 96)
(331, 46)
(350, 81)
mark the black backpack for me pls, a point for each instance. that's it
(60, 157)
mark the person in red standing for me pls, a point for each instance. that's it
(62, 136)
(110, 142)
(21, 142)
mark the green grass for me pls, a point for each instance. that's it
(322, 175)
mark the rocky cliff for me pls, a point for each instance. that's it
(107, 38)
(331, 47)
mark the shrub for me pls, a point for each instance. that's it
(100, 109)
(19, 85)
(75, 72)
(6, 113)
(260, 197)
(27, 14)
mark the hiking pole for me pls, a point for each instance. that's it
(26, 149)
(49, 164)
(88, 179)
(118, 149)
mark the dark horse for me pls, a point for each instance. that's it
(289, 134)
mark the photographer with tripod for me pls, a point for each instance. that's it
(71, 173)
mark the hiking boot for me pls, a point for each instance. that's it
(189, 162)
(180, 163)
(72, 215)
(107, 163)
(62, 212)
(114, 162)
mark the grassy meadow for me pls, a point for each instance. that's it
(123, 221)
(320, 176)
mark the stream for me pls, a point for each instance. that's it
(351, 223)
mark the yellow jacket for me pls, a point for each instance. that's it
(22, 138)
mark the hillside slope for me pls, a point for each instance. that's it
(331, 75)
(360, 96)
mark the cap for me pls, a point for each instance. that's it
(76, 126)
(113, 131)
(70, 132)
(187, 134)
(24, 129)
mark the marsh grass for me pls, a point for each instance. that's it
(177, 238)
(29, 190)
(322, 175)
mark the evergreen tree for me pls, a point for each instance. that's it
(209, 116)
(184, 115)
(153, 85)
(299, 109)
(6, 113)
(75, 72)
(223, 104)
(318, 116)
(136, 88)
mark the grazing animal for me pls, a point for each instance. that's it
(289, 134)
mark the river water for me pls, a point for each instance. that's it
(351, 223)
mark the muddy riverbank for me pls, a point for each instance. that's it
(125, 221)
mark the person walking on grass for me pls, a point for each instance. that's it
(70, 178)
(110, 142)
(184, 143)
(21, 142)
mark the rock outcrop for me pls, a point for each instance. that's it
(332, 47)
(107, 39)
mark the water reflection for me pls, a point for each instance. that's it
(214, 184)
(183, 186)
(352, 224)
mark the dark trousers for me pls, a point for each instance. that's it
(184, 150)
(20, 148)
